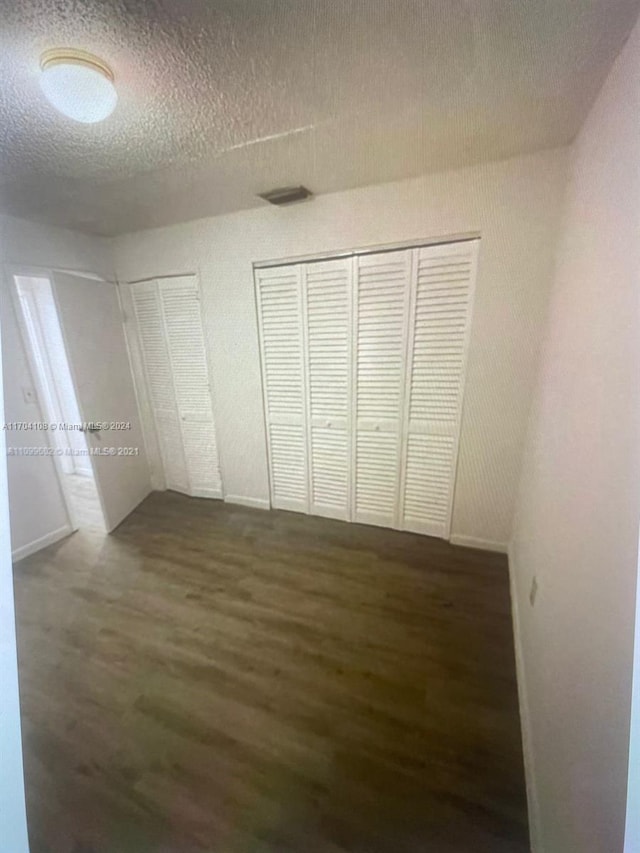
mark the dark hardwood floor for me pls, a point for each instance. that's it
(212, 678)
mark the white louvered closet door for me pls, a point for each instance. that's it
(172, 347)
(280, 310)
(328, 288)
(444, 278)
(159, 383)
(363, 371)
(382, 305)
(180, 302)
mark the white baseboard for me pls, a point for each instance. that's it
(482, 544)
(42, 542)
(255, 503)
(214, 494)
(525, 717)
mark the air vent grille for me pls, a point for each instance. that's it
(286, 195)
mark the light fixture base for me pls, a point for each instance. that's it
(72, 56)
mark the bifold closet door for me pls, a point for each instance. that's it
(159, 383)
(382, 305)
(177, 380)
(305, 321)
(440, 316)
(279, 303)
(327, 287)
(363, 364)
(180, 300)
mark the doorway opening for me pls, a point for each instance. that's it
(43, 340)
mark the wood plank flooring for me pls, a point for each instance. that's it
(213, 678)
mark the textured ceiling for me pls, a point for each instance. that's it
(222, 99)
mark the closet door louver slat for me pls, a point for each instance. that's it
(435, 379)
(279, 298)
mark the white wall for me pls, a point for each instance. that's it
(13, 819)
(515, 205)
(56, 384)
(33, 245)
(37, 507)
(576, 528)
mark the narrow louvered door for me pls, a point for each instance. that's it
(382, 306)
(280, 310)
(442, 291)
(327, 289)
(158, 382)
(180, 302)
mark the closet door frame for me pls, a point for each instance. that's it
(418, 243)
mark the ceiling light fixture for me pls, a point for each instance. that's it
(78, 84)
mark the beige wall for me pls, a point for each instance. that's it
(577, 524)
(515, 206)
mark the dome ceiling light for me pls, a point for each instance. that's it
(78, 84)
